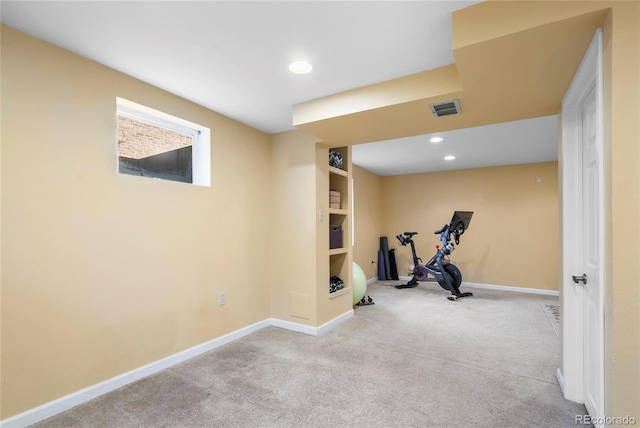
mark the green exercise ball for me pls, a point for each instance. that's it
(359, 283)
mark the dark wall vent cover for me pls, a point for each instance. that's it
(446, 108)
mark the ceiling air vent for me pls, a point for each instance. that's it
(446, 108)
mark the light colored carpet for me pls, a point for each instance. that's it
(414, 359)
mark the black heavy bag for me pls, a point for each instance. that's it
(381, 272)
(393, 274)
(384, 246)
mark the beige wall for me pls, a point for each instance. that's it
(103, 273)
(368, 219)
(513, 238)
(292, 231)
(621, 45)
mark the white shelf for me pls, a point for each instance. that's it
(336, 251)
(338, 171)
(338, 211)
(339, 259)
(340, 292)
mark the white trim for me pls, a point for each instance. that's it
(331, 324)
(560, 379)
(294, 326)
(62, 404)
(588, 76)
(497, 287)
(372, 280)
(157, 118)
(572, 294)
(54, 407)
(353, 210)
(312, 331)
(148, 114)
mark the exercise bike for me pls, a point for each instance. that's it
(446, 274)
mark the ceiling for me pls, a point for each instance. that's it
(233, 57)
(525, 141)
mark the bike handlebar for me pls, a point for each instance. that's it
(445, 227)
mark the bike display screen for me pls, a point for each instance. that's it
(460, 221)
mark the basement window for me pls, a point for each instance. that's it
(158, 145)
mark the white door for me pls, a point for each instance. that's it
(592, 306)
(582, 300)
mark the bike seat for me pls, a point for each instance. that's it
(410, 234)
(445, 227)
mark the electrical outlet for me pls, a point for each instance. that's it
(222, 298)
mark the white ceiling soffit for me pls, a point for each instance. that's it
(518, 142)
(233, 57)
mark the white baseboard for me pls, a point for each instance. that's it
(312, 331)
(54, 407)
(498, 287)
(560, 380)
(294, 326)
(372, 280)
(331, 324)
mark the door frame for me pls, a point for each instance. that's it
(588, 76)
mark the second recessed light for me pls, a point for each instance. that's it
(449, 158)
(300, 67)
(436, 139)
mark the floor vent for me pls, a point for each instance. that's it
(446, 108)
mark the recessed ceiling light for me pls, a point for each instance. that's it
(449, 157)
(436, 139)
(300, 67)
